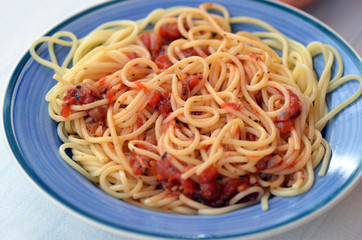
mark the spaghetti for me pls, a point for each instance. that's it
(189, 117)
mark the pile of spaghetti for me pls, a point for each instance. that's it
(176, 113)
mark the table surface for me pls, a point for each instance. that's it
(26, 214)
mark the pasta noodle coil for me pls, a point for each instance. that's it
(190, 117)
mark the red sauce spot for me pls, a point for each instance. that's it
(235, 106)
(136, 163)
(163, 62)
(284, 119)
(188, 52)
(140, 85)
(170, 194)
(95, 126)
(152, 42)
(259, 98)
(185, 94)
(293, 110)
(161, 102)
(170, 176)
(230, 188)
(66, 110)
(132, 55)
(79, 95)
(139, 122)
(110, 95)
(255, 57)
(250, 137)
(169, 32)
(142, 165)
(188, 186)
(102, 84)
(209, 188)
(284, 126)
(193, 80)
(262, 164)
(207, 191)
(98, 113)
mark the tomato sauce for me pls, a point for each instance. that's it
(209, 187)
(142, 165)
(255, 57)
(284, 120)
(169, 32)
(259, 98)
(132, 55)
(152, 42)
(169, 177)
(235, 106)
(193, 80)
(79, 95)
(250, 137)
(85, 93)
(163, 62)
(208, 190)
(263, 163)
(161, 102)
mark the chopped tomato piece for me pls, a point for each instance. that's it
(230, 188)
(152, 42)
(185, 94)
(102, 84)
(81, 94)
(188, 186)
(95, 128)
(284, 119)
(170, 176)
(294, 108)
(98, 113)
(284, 126)
(136, 163)
(66, 110)
(161, 102)
(165, 168)
(163, 62)
(208, 184)
(110, 93)
(208, 175)
(142, 164)
(169, 32)
(193, 80)
(188, 52)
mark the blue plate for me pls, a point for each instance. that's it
(33, 139)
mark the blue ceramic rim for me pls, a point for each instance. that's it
(21, 160)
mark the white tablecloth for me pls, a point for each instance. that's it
(27, 214)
